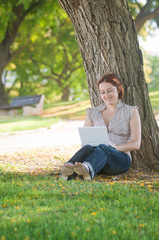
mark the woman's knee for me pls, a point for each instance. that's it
(104, 147)
(88, 147)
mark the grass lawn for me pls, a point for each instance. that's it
(35, 204)
(52, 114)
(44, 207)
(23, 123)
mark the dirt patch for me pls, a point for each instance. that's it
(50, 160)
(40, 160)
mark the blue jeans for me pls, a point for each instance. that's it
(102, 159)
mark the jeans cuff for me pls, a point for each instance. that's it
(91, 169)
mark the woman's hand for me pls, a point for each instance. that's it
(113, 145)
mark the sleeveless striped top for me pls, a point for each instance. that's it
(119, 126)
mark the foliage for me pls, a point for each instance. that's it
(135, 7)
(146, 15)
(154, 97)
(154, 74)
(9, 10)
(151, 67)
(50, 61)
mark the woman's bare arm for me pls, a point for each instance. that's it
(88, 122)
(135, 135)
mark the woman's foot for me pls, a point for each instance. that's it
(82, 170)
(66, 171)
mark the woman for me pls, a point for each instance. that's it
(124, 128)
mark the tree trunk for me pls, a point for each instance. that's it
(3, 98)
(65, 93)
(2, 93)
(107, 40)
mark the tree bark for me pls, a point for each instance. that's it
(108, 42)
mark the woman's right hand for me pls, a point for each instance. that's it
(113, 145)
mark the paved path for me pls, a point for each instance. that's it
(63, 133)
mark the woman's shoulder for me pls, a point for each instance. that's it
(96, 109)
(93, 112)
(128, 109)
(126, 106)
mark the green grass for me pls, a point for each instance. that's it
(55, 112)
(23, 123)
(43, 207)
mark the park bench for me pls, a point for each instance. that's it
(31, 105)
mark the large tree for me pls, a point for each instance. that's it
(107, 40)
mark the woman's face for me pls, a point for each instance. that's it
(108, 93)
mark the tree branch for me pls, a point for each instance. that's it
(15, 53)
(145, 15)
(12, 28)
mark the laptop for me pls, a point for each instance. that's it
(93, 136)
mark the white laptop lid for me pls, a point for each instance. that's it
(94, 135)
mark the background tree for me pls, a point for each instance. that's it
(46, 63)
(143, 12)
(14, 13)
(50, 59)
(107, 39)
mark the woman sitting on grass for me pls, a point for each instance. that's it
(124, 129)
